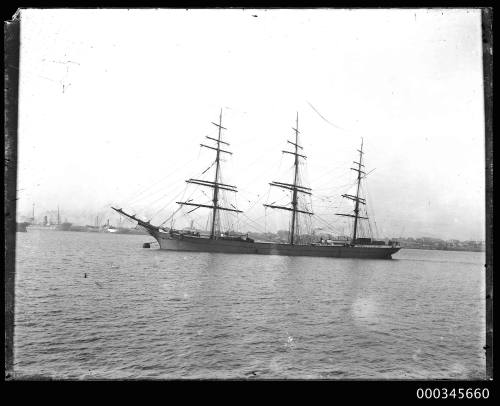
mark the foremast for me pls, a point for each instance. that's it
(215, 185)
(295, 188)
(357, 200)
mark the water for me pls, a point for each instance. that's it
(145, 313)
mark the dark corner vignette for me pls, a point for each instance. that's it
(487, 35)
(11, 72)
(11, 61)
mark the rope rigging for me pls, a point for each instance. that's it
(294, 198)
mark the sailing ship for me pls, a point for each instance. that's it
(225, 242)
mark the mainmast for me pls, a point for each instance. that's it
(216, 185)
(296, 172)
(215, 199)
(357, 200)
(295, 188)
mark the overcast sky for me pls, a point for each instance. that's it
(114, 104)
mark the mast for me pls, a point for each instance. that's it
(295, 188)
(357, 200)
(356, 205)
(33, 212)
(216, 185)
(296, 170)
(58, 218)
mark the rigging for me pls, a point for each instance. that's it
(295, 187)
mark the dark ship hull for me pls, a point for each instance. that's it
(64, 226)
(183, 242)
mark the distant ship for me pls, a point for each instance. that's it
(46, 225)
(97, 228)
(64, 226)
(225, 242)
(93, 229)
(108, 228)
(125, 230)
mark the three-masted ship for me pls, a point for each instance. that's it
(217, 241)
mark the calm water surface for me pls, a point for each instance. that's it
(146, 313)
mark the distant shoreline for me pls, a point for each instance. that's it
(444, 249)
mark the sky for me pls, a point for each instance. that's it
(114, 104)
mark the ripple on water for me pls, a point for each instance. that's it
(162, 315)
